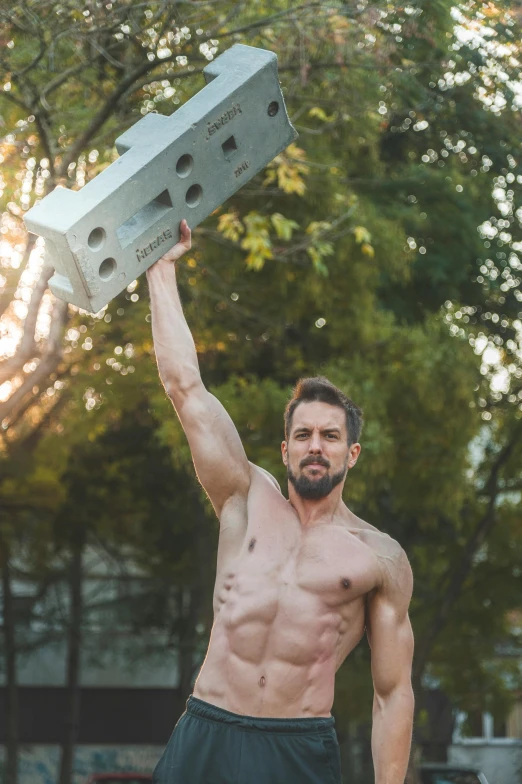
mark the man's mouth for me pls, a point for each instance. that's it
(315, 465)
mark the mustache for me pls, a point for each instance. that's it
(319, 460)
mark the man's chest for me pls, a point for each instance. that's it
(325, 564)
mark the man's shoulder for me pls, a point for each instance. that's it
(396, 572)
(379, 541)
(394, 566)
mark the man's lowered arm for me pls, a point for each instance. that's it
(219, 457)
(391, 642)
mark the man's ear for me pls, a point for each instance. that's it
(284, 452)
(355, 451)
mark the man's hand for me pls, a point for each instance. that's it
(181, 247)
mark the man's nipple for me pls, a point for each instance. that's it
(252, 544)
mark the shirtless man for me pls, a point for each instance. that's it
(298, 583)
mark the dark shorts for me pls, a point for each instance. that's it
(210, 745)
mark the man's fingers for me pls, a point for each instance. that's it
(182, 246)
(185, 233)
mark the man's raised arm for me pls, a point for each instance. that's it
(391, 641)
(219, 457)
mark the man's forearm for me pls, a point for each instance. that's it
(173, 342)
(391, 736)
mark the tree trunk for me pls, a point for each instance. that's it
(412, 774)
(195, 605)
(11, 767)
(73, 663)
(189, 604)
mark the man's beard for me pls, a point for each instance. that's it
(315, 489)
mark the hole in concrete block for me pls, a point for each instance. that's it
(273, 109)
(142, 220)
(96, 238)
(229, 147)
(193, 195)
(184, 165)
(107, 268)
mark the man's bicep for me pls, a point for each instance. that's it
(392, 653)
(219, 457)
(390, 634)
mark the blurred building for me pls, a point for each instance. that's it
(130, 696)
(494, 743)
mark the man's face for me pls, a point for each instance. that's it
(317, 455)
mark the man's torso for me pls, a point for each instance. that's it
(289, 606)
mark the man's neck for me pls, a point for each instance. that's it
(312, 513)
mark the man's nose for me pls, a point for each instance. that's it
(315, 443)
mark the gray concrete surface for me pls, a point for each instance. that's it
(499, 759)
(105, 235)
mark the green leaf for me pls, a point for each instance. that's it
(284, 226)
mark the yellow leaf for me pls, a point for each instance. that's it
(257, 240)
(288, 170)
(230, 226)
(284, 226)
(316, 111)
(361, 234)
(317, 227)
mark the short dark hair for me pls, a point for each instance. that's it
(319, 389)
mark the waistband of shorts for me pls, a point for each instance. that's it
(198, 707)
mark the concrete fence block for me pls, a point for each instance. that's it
(105, 235)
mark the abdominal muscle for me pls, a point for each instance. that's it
(274, 649)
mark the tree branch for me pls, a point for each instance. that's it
(7, 294)
(267, 20)
(127, 82)
(27, 348)
(27, 444)
(48, 363)
(107, 109)
(57, 82)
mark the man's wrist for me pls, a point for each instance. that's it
(161, 267)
